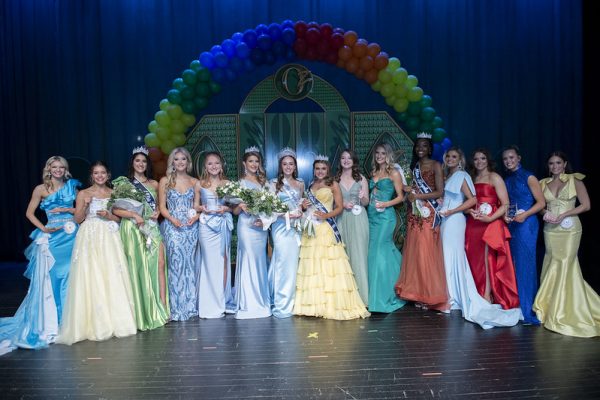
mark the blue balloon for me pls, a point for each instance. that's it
(446, 143)
(230, 75)
(221, 59)
(218, 75)
(207, 60)
(249, 65)
(257, 56)
(250, 38)
(216, 49)
(242, 50)
(290, 54)
(236, 64)
(264, 42)
(270, 58)
(261, 29)
(288, 36)
(274, 31)
(237, 37)
(438, 152)
(228, 47)
(279, 48)
(288, 23)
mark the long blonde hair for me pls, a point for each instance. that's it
(204, 177)
(171, 168)
(47, 175)
(389, 159)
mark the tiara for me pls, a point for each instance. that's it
(321, 157)
(140, 149)
(424, 135)
(286, 151)
(252, 149)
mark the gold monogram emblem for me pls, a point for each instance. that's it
(294, 81)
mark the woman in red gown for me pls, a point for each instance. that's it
(486, 241)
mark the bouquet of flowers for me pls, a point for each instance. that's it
(234, 193)
(266, 205)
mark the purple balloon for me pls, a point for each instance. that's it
(264, 42)
(288, 36)
(216, 49)
(221, 59)
(237, 37)
(250, 38)
(228, 47)
(207, 59)
(242, 50)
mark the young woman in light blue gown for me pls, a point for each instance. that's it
(216, 223)
(384, 257)
(526, 201)
(99, 301)
(353, 221)
(459, 196)
(35, 324)
(180, 232)
(286, 238)
(251, 292)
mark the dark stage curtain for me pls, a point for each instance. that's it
(84, 78)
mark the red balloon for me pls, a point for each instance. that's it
(366, 63)
(381, 60)
(313, 24)
(340, 63)
(155, 154)
(350, 38)
(337, 40)
(323, 48)
(373, 49)
(339, 30)
(352, 65)
(300, 28)
(159, 167)
(331, 58)
(371, 76)
(300, 47)
(360, 48)
(344, 53)
(313, 36)
(326, 30)
(311, 54)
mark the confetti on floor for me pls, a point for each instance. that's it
(313, 335)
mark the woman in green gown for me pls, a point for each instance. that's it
(134, 200)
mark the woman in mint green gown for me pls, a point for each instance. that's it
(134, 200)
(384, 257)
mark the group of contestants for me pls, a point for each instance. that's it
(102, 269)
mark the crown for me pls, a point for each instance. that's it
(252, 149)
(423, 135)
(321, 157)
(286, 151)
(140, 149)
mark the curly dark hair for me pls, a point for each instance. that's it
(355, 167)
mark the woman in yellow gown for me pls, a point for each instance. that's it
(565, 303)
(325, 285)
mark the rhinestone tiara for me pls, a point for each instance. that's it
(252, 149)
(286, 151)
(321, 157)
(424, 135)
(140, 149)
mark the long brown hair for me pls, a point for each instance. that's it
(328, 180)
(491, 164)
(355, 167)
(261, 175)
(279, 183)
(131, 170)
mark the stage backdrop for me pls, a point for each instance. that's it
(83, 79)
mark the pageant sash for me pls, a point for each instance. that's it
(424, 188)
(319, 206)
(149, 197)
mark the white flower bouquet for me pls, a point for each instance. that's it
(233, 193)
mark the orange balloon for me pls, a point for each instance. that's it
(344, 53)
(352, 65)
(381, 60)
(371, 76)
(360, 48)
(341, 63)
(366, 63)
(373, 49)
(360, 74)
(350, 38)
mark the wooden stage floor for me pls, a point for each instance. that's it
(408, 354)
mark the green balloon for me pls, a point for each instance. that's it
(425, 126)
(401, 105)
(427, 113)
(437, 122)
(174, 111)
(188, 107)
(415, 94)
(189, 77)
(413, 135)
(376, 86)
(164, 103)
(167, 146)
(178, 84)
(426, 101)
(163, 133)
(177, 127)
(174, 96)
(201, 102)
(151, 140)
(400, 91)
(412, 123)
(203, 75)
(393, 64)
(390, 100)
(214, 87)
(387, 89)
(414, 109)
(162, 118)
(399, 76)
(195, 65)
(402, 117)
(438, 134)
(178, 139)
(203, 89)
(188, 93)
(384, 76)
(188, 119)
(411, 81)
(152, 126)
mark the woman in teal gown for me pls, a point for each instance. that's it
(286, 238)
(353, 221)
(142, 241)
(35, 324)
(384, 258)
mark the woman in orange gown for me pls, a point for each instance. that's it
(486, 236)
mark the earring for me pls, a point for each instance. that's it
(245, 171)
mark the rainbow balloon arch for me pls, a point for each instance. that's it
(267, 44)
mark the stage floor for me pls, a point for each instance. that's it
(408, 354)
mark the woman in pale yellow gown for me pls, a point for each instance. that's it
(565, 303)
(325, 285)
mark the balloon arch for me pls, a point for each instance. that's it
(266, 44)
